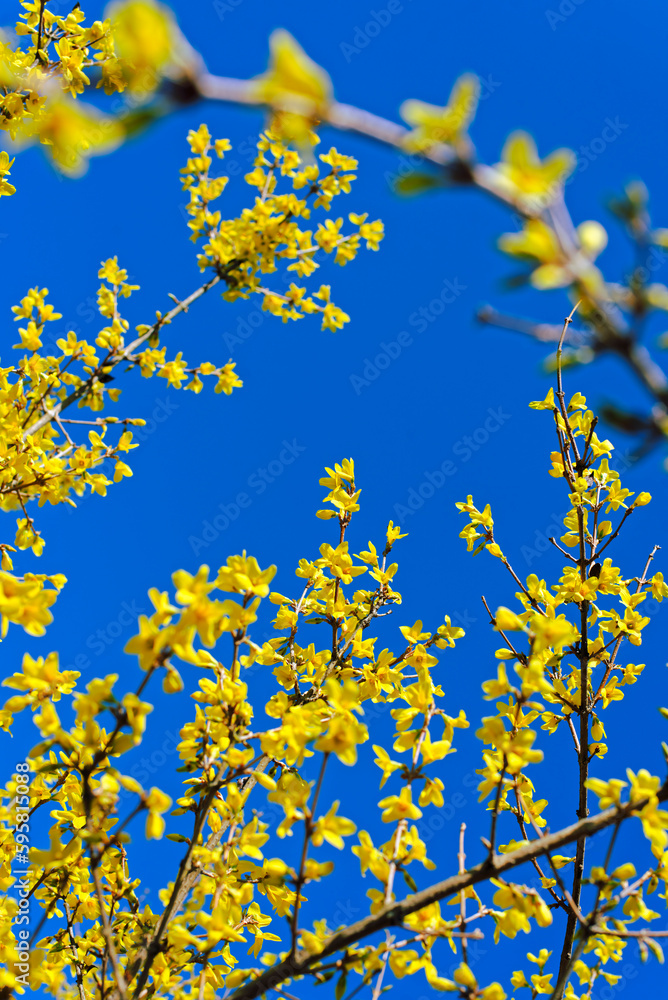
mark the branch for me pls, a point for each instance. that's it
(185, 882)
(609, 334)
(121, 985)
(116, 359)
(394, 913)
(546, 333)
(309, 826)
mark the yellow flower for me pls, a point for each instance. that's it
(146, 644)
(538, 244)
(385, 763)
(73, 132)
(156, 803)
(147, 42)
(432, 124)
(332, 828)
(508, 621)
(399, 806)
(342, 736)
(525, 174)
(297, 89)
(5, 165)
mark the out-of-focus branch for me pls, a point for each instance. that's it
(608, 332)
(546, 333)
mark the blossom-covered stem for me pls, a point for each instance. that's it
(42, 5)
(185, 881)
(583, 755)
(237, 638)
(521, 809)
(114, 359)
(620, 638)
(389, 888)
(396, 844)
(106, 930)
(495, 811)
(73, 949)
(308, 833)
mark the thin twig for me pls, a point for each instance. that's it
(121, 985)
(309, 826)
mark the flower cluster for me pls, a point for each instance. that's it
(56, 59)
(565, 643)
(231, 895)
(245, 249)
(42, 459)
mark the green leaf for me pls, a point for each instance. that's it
(416, 183)
(409, 880)
(340, 987)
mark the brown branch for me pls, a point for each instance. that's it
(546, 333)
(394, 913)
(73, 949)
(566, 959)
(461, 858)
(495, 811)
(121, 985)
(645, 932)
(308, 833)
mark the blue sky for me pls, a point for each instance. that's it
(455, 393)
